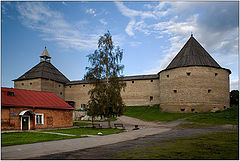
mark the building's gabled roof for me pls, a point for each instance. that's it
(44, 70)
(29, 98)
(192, 54)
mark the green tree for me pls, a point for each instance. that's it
(234, 97)
(105, 76)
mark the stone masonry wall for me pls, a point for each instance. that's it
(43, 85)
(137, 92)
(194, 89)
(31, 84)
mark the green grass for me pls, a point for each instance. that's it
(17, 138)
(220, 145)
(153, 114)
(228, 116)
(88, 131)
(81, 123)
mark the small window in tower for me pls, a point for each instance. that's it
(188, 73)
(167, 76)
(216, 74)
(224, 107)
(22, 84)
(182, 109)
(175, 91)
(60, 93)
(151, 98)
(30, 83)
(209, 90)
(70, 86)
(59, 85)
(151, 80)
(132, 81)
(84, 85)
(192, 109)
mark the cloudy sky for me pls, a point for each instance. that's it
(150, 34)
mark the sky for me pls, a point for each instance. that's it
(150, 33)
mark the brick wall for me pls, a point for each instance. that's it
(52, 118)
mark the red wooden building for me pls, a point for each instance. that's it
(27, 109)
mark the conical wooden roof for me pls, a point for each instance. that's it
(44, 70)
(192, 54)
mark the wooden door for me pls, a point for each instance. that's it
(25, 123)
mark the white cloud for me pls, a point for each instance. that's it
(102, 21)
(220, 43)
(135, 43)
(129, 28)
(234, 84)
(132, 14)
(53, 27)
(91, 11)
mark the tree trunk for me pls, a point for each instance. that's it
(109, 125)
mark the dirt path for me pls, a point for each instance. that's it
(110, 151)
(129, 123)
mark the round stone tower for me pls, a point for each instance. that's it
(194, 82)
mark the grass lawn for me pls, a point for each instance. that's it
(153, 114)
(34, 137)
(220, 145)
(228, 116)
(88, 131)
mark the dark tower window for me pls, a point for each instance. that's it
(175, 91)
(132, 81)
(216, 74)
(10, 93)
(30, 83)
(209, 90)
(151, 98)
(192, 109)
(188, 73)
(70, 86)
(59, 85)
(60, 93)
(182, 109)
(167, 76)
(71, 103)
(22, 84)
(151, 80)
(84, 85)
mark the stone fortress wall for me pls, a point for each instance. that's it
(136, 93)
(194, 89)
(192, 82)
(40, 84)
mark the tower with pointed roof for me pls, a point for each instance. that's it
(43, 77)
(194, 82)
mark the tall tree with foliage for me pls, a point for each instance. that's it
(105, 75)
(234, 97)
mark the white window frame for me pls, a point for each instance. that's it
(42, 123)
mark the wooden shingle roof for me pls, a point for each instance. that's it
(44, 70)
(192, 54)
